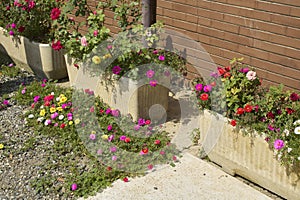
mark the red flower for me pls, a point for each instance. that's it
(248, 108)
(157, 142)
(174, 158)
(240, 111)
(125, 179)
(227, 75)
(233, 122)
(127, 140)
(204, 97)
(148, 121)
(294, 97)
(227, 68)
(213, 84)
(150, 167)
(221, 71)
(47, 103)
(32, 105)
(76, 65)
(289, 111)
(108, 168)
(55, 13)
(62, 125)
(270, 115)
(21, 29)
(56, 45)
(145, 150)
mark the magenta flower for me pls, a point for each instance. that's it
(198, 87)
(64, 106)
(109, 127)
(13, 25)
(161, 57)
(92, 136)
(244, 70)
(116, 70)
(153, 83)
(43, 85)
(271, 128)
(55, 13)
(5, 102)
(141, 122)
(36, 99)
(155, 51)
(56, 45)
(214, 74)
(70, 116)
(278, 144)
(150, 73)
(31, 4)
(207, 88)
(109, 47)
(108, 111)
(74, 186)
(122, 138)
(11, 33)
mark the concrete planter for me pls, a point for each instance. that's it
(39, 58)
(129, 96)
(250, 157)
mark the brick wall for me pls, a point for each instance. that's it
(265, 32)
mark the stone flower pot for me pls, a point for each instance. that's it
(250, 157)
(39, 58)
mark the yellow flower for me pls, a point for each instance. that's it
(96, 60)
(61, 95)
(52, 110)
(93, 132)
(70, 122)
(1, 146)
(104, 137)
(42, 112)
(106, 56)
(77, 121)
(59, 109)
(63, 99)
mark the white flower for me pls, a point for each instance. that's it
(297, 130)
(289, 150)
(299, 158)
(42, 106)
(52, 93)
(297, 122)
(30, 116)
(251, 75)
(57, 99)
(287, 132)
(47, 122)
(40, 119)
(60, 117)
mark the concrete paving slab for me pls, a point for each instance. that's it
(191, 179)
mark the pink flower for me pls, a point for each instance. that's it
(23, 91)
(153, 83)
(92, 109)
(150, 73)
(167, 73)
(83, 41)
(13, 25)
(116, 70)
(110, 138)
(114, 158)
(251, 75)
(99, 152)
(155, 51)
(55, 13)
(113, 149)
(96, 32)
(141, 121)
(31, 4)
(150, 167)
(115, 113)
(278, 144)
(54, 115)
(11, 32)
(137, 127)
(161, 57)
(92, 136)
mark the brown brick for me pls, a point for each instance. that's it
(288, 2)
(159, 11)
(270, 27)
(293, 32)
(174, 14)
(272, 7)
(184, 25)
(285, 20)
(225, 26)
(191, 18)
(295, 11)
(192, 2)
(284, 61)
(238, 20)
(243, 3)
(164, 4)
(210, 14)
(185, 8)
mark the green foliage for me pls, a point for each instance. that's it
(10, 70)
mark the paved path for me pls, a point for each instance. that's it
(191, 179)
